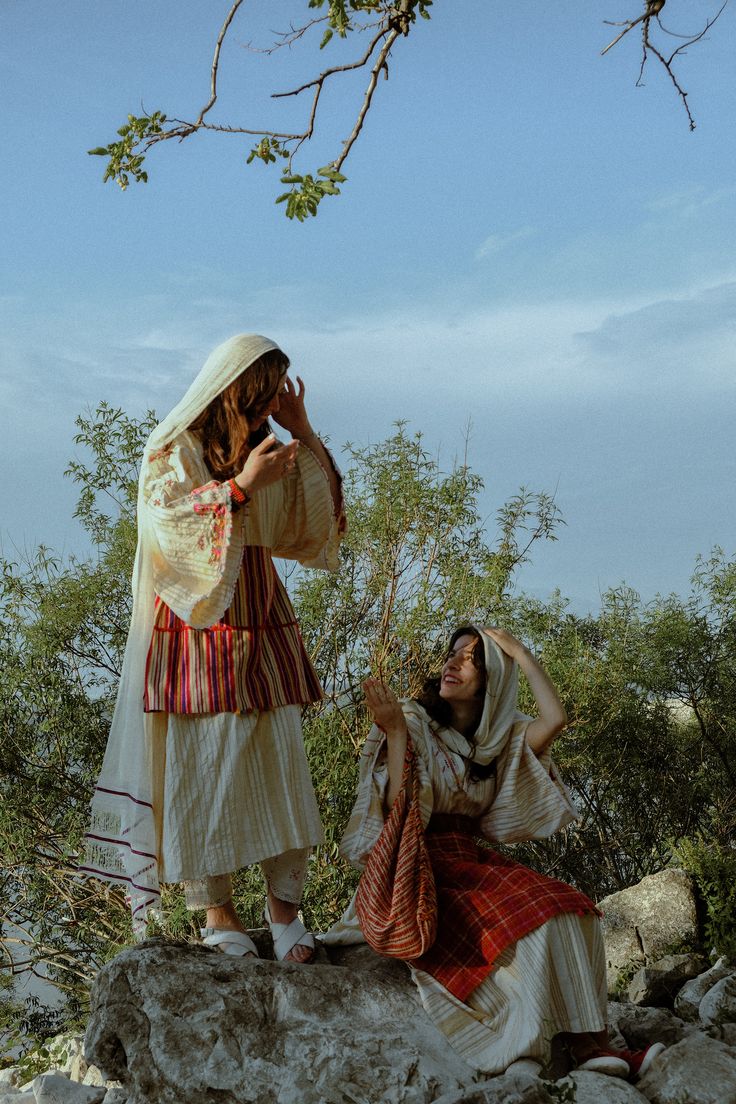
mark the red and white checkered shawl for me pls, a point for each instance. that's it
(485, 902)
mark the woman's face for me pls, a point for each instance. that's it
(460, 680)
(261, 413)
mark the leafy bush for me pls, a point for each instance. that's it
(713, 866)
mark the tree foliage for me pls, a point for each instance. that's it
(650, 689)
(383, 23)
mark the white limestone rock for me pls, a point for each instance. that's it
(725, 1033)
(182, 1024)
(507, 1089)
(55, 1088)
(657, 985)
(9, 1078)
(643, 923)
(697, 1070)
(718, 1006)
(597, 1088)
(640, 1025)
(687, 1001)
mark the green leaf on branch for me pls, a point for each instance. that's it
(267, 150)
(307, 192)
(124, 162)
(331, 174)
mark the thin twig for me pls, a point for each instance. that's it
(216, 61)
(359, 64)
(380, 65)
(288, 38)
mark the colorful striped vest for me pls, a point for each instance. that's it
(252, 658)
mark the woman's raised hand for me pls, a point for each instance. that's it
(292, 413)
(266, 464)
(506, 642)
(384, 707)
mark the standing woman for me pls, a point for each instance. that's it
(205, 770)
(518, 958)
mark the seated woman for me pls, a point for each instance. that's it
(518, 959)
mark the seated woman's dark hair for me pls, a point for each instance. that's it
(441, 711)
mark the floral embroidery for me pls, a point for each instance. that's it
(161, 454)
(219, 527)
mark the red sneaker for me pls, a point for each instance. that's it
(641, 1060)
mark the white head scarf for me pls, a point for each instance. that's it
(500, 712)
(121, 844)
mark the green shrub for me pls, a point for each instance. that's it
(713, 865)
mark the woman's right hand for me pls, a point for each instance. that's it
(384, 707)
(266, 464)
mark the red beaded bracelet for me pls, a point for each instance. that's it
(239, 495)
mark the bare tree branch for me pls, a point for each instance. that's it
(652, 11)
(365, 107)
(216, 60)
(384, 21)
(652, 8)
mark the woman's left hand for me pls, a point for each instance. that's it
(384, 707)
(291, 414)
(506, 642)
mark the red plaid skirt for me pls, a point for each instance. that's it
(485, 902)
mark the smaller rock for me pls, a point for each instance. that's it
(94, 1076)
(640, 1025)
(66, 1051)
(9, 1077)
(55, 1088)
(658, 983)
(597, 1088)
(116, 1095)
(697, 1070)
(506, 1089)
(718, 1006)
(687, 1001)
(10, 1095)
(724, 1033)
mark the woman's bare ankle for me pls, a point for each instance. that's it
(282, 912)
(224, 917)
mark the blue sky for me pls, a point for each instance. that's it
(527, 241)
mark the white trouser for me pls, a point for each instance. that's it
(284, 876)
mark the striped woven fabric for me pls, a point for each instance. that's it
(485, 902)
(252, 658)
(396, 901)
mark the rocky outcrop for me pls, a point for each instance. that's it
(179, 1023)
(648, 921)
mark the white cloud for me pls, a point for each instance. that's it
(687, 202)
(494, 243)
(687, 342)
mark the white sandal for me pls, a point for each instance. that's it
(287, 936)
(229, 942)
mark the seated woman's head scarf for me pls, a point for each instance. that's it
(121, 845)
(500, 712)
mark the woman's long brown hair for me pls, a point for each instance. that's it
(223, 427)
(441, 711)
